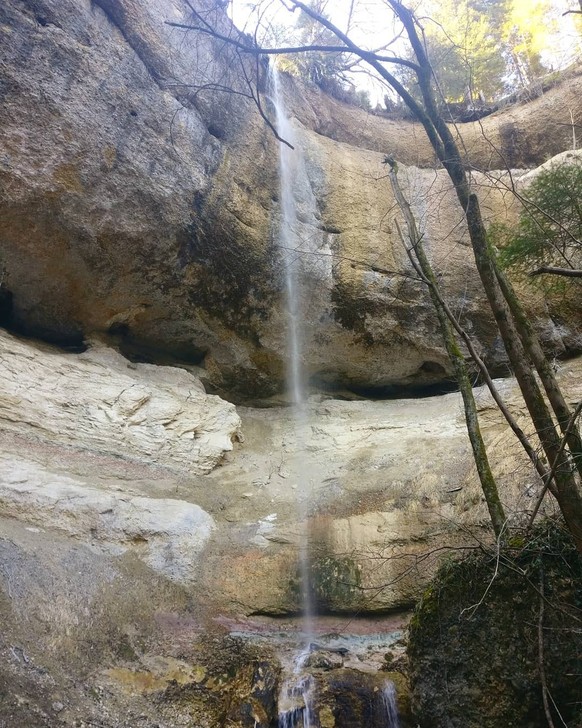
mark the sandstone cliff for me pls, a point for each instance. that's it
(139, 203)
(141, 519)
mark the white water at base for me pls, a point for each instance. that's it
(390, 705)
(296, 704)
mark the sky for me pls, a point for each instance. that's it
(373, 24)
(370, 18)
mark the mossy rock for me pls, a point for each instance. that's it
(349, 698)
(335, 582)
(239, 688)
(474, 639)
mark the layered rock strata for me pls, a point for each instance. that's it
(141, 203)
(136, 460)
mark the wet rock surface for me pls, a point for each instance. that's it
(352, 699)
(97, 641)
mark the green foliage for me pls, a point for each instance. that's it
(526, 30)
(463, 43)
(319, 67)
(549, 231)
(479, 64)
(480, 48)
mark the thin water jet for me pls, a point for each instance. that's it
(299, 688)
(289, 243)
(390, 705)
(297, 219)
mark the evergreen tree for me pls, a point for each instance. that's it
(464, 45)
(480, 48)
(320, 67)
(549, 233)
(525, 32)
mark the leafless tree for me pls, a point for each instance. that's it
(550, 414)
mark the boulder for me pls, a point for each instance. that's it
(82, 431)
(491, 630)
(100, 402)
(351, 698)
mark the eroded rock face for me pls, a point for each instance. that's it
(141, 222)
(101, 402)
(139, 207)
(89, 638)
(520, 136)
(122, 421)
(115, 558)
(168, 534)
(390, 487)
(386, 485)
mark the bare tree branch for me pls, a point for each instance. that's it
(568, 272)
(261, 51)
(551, 473)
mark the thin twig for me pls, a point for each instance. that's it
(473, 608)
(541, 664)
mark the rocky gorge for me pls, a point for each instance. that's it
(148, 486)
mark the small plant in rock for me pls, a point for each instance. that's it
(548, 236)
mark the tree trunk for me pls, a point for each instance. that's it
(488, 484)
(544, 369)
(567, 493)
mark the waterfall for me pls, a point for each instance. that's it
(295, 700)
(306, 258)
(290, 245)
(390, 705)
(296, 704)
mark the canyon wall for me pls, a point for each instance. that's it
(140, 204)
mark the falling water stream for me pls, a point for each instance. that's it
(295, 700)
(296, 707)
(390, 705)
(289, 241)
